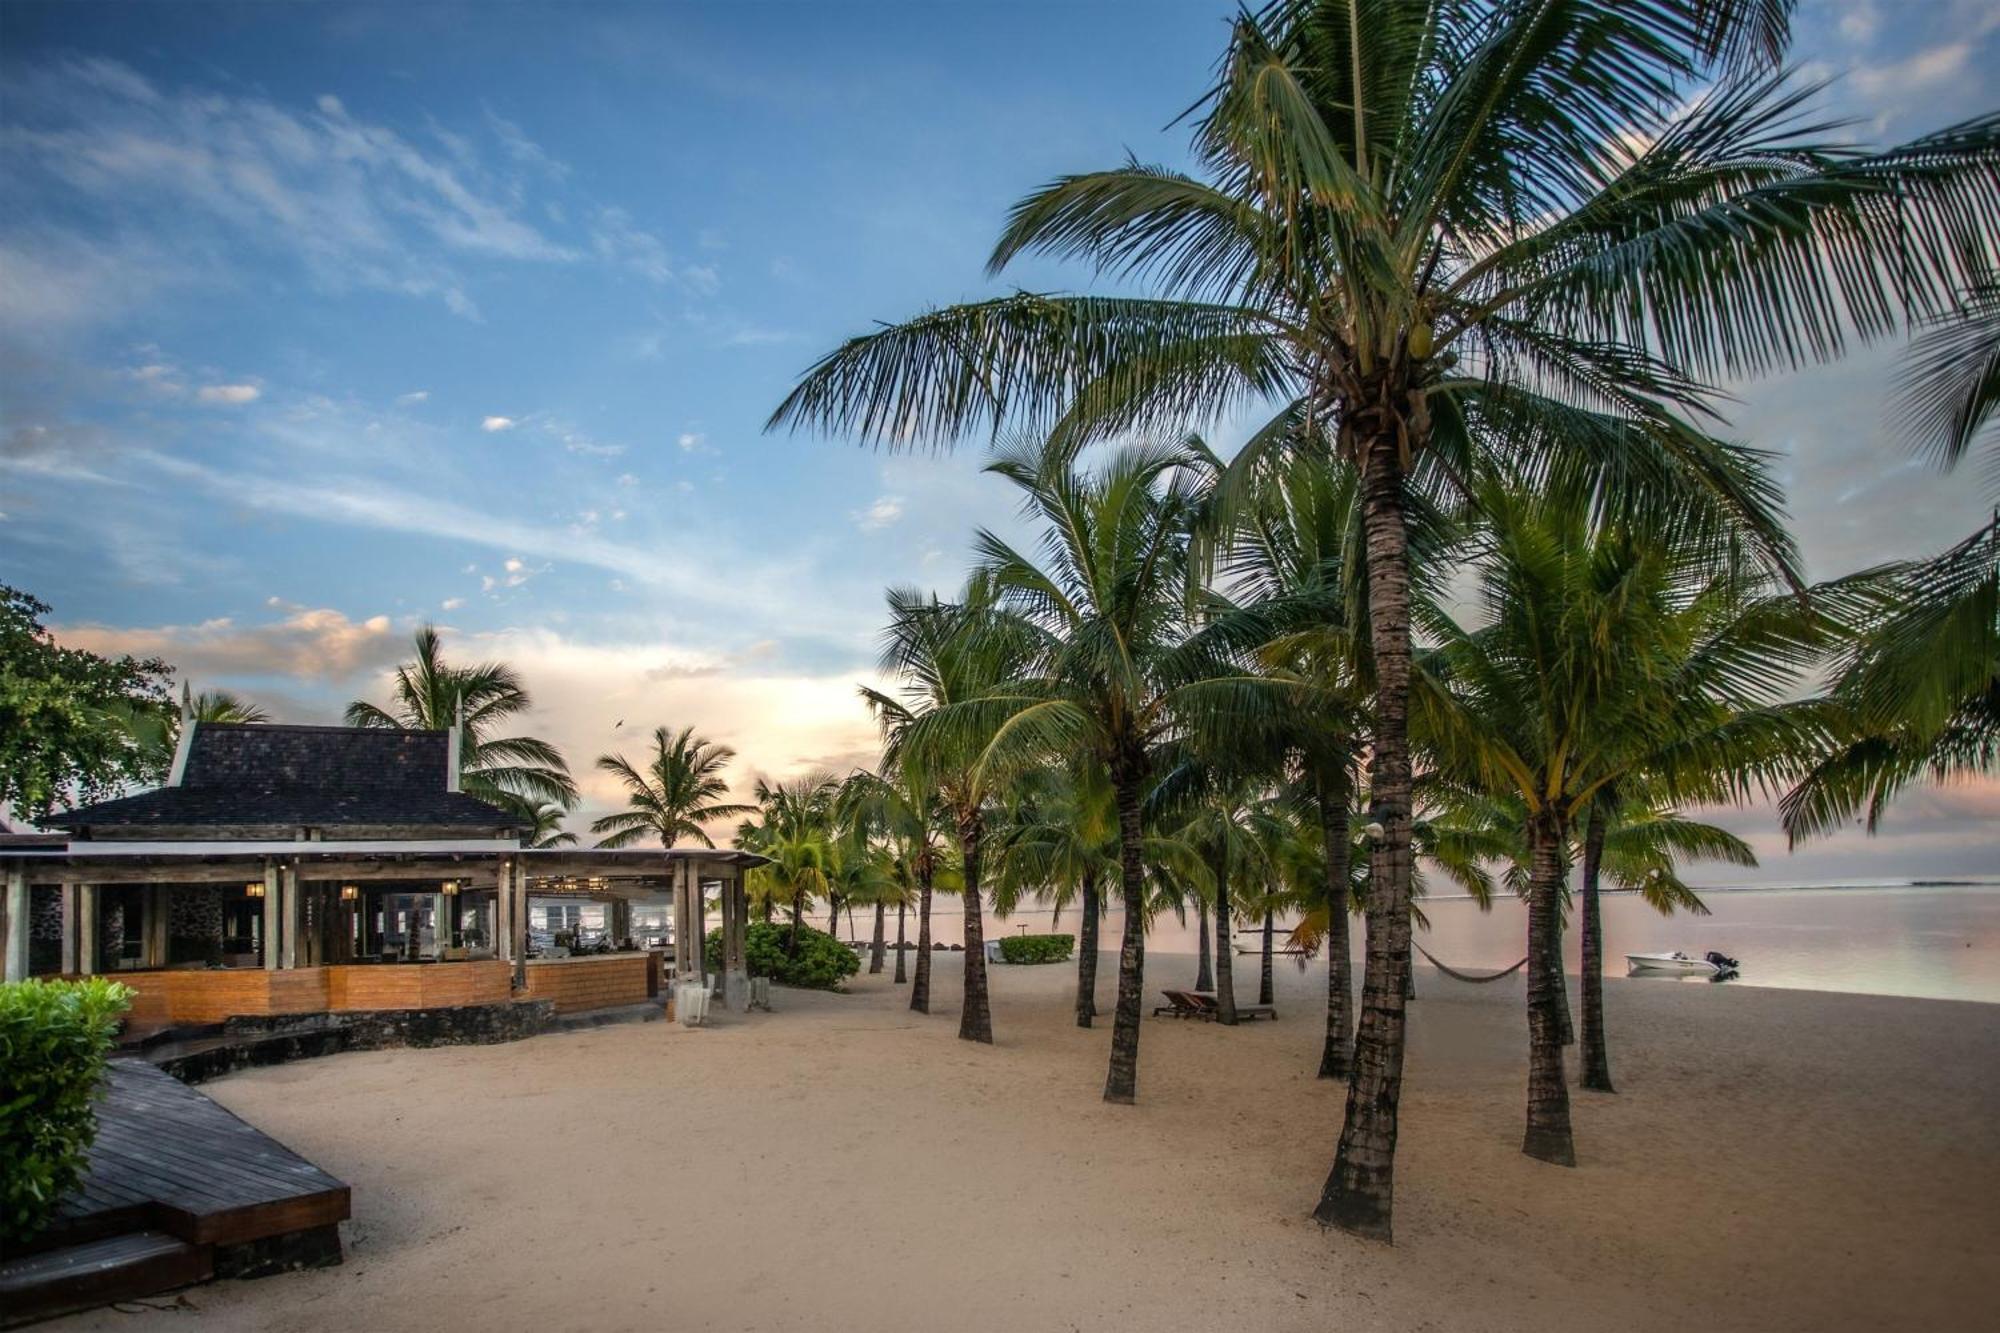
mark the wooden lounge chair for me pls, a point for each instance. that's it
(1212, 1008)
(1180, 1004)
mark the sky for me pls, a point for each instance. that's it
(318, 322)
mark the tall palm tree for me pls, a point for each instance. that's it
(542, 824)
(1061, 846)
(951, 658)
(899, 807)
(1917, 698)
(676, 794)
(433, 695)
(1121, 661)
(795, 826)
(1522, 225)
(1608, 654)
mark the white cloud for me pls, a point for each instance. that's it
(411, 399)
(228, 395)
(492, 424)
(690, 441)
(627, 480)
(885, 510)
(451, 603)
(311, 643)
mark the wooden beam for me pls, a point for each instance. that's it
(71, 931)
(293, 913)
(86, 929)
(272, 959)
(14, 923)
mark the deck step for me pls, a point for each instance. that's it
(98, 1272)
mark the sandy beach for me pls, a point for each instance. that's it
(1774, 1160)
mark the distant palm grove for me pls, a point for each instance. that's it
(1487, 587)
(1487, 597)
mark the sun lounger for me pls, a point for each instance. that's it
(1180, 1004)
(1212, 1008)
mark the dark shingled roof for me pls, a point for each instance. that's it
(257, 773)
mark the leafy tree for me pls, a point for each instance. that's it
(1609, 656)
(951, 660)
(1119, 661)
(72, 723)
(674, 796)
(432, 695)
(1446, 229)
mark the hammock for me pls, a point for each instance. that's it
(1457, 975)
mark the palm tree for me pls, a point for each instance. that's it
(433, 695)
(1439, 229)
(223, 706)
(674, 796)
(1121, 661)
(1917, 698)
(795, 827)
(950, 658)
(1061, 845)
(898, 807)
(1609, 655)
(542, 824)
(1234, 832)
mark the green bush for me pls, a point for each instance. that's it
(1037, 948)
(821, 963)
(54, 1036)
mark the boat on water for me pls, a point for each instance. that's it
(1713, 964)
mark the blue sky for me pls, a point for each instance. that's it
(318, 321)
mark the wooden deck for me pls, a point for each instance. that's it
(173, 1171)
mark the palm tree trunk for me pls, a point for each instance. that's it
(1596, 1055)
(1359, 1195)
(1548, 1135)
(975, 1021)
(902, 911)
(920, 991)
(798, 923)
(1086, 958)
(1225, 952)
(1337, 1056)
(1264, 991)
(1204, 972)
(877, 947)
(1121, 1081)
(1565, 1029)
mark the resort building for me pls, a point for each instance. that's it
(301, 870)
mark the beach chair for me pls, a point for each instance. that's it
(1212, 1008)
(1180, 1004)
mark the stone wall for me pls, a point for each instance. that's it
(194, 923)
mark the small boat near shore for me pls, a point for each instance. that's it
(1680, 964)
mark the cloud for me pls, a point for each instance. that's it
(413, 398)
(493, 424)
(451, 603)
(228, 395)
(885, 510)
(690, 441)
(620, 240)
(356, 203)
(307, 643)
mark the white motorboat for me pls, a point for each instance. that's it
(1680, 964)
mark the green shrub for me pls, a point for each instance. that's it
(1037, 948)
(54, 1036)
(821, 963)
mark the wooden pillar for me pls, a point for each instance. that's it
(86, 929)
(735, 967)
(272, 960)
(517, 924)
(72, 934)
(503, 911)
(292, 912)
(15, 924)
(155, 954)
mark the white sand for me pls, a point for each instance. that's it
(1774, 1160)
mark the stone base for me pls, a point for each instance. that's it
(278, 1038)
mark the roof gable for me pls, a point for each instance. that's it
(259, 774)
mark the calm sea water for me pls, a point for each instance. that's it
(1941, 942)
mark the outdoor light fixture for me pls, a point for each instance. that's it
(349, 892)
(1374, 831)
(450, 888)
(255, 890)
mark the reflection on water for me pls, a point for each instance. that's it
(1940, 942)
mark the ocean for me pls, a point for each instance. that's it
(1938, 941)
